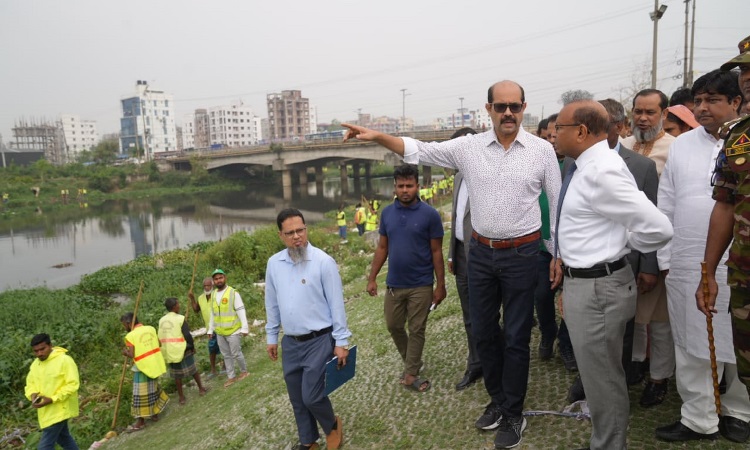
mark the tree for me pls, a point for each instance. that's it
(105, 152)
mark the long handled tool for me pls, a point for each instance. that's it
(125, 363)
(711, 346)
(192, 283)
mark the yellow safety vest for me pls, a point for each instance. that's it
(360, 216)
(172, 341)
(376, 205)
(205, 305)
(372, 222)
(226, 320)
(341, 219)
(147, 354)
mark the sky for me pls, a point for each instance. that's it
(83, 56)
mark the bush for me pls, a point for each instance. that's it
(101, 182)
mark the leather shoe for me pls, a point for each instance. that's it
(678, 432)
(734, 429)
(334, 438)
(576, 392)
(468, 379)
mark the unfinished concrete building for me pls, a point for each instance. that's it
(40, 135)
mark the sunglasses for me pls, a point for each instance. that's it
(515, 108)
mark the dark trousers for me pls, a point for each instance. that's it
(304, 365)
(462, 286)
(57, 434)
(361, 228)
(544, 301)
(503, 278)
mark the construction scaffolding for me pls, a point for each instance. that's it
(40, 135)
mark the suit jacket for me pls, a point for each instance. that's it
(458, 184)
(643, 170)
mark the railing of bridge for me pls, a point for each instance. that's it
(436, 135)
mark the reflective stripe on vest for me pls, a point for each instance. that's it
(226, 320)
(146, 352)
(172, 341)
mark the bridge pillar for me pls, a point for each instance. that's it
(319, 180)
(368, 177)
(303, 182)
(286, 183)
(427, 175)
(357, 186)
(344, 180)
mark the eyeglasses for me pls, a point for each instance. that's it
(515, 108)
(558, 126)
(298, 232)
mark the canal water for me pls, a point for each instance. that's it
(55, 249)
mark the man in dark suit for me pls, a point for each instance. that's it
(458, 254)
(646, 178)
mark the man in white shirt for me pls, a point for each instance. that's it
(603, 215)
(685, 197)
(505, 169)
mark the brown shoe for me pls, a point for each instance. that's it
(335, 437)
(242, 376)
(230, 382)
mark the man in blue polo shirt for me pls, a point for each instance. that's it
(411, 238)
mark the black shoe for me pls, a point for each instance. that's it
(635, 372)
(568, 359)
(654, 393)
(546, 348)
(509, 432)
(491, 418)
(679, 432)
(734, 429)
(468, 379)
(576, 392)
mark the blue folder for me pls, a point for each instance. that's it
(335, 377)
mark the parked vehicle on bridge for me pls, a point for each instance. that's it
(337, 134)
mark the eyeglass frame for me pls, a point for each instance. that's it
(297, 232)
(558, 126)
(505, 106)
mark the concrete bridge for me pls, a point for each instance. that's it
(295, 159)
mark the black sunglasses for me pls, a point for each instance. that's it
(515, 108)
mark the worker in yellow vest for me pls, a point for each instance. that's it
(229, 323)
(203, 306)
(177, 347)
(341, 222)
(142, 344)
(372, 219)
(360, 217)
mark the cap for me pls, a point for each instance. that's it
(684, 113)
(744, 57)
(218, 271)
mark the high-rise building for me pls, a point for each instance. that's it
(288, 115)
(188, 130)
(233, 125)
(147, 126)
(79, 134)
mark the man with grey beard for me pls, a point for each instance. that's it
(652, 315)
(304, 295)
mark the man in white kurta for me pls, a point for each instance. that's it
(685, 197)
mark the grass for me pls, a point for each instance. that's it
(377, 412)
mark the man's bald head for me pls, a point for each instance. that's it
(581, 124)
(504, 83)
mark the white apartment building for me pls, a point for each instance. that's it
(233, 125)
(79, 134)
(147, 126)
(188, 130)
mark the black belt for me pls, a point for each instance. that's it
(311, 335)
(597, 271)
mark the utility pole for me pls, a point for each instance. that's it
(403, 109)
(685, 61)
(462, 111)
(692, 47)
(655, 15)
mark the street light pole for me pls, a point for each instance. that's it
(655, 15)
(403, 109)
(462, 111)
(685, 61)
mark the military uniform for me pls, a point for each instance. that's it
(732, 185)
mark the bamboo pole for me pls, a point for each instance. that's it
(125, 363)
(711, 346)
(192, 283)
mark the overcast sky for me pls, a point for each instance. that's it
(83, 56)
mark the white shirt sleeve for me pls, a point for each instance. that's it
(239, 308)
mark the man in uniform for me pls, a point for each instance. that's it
(142, 344)
(229, 323)
(729, 223)
(203, 306)
(52, 386)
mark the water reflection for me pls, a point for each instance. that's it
(55, 248)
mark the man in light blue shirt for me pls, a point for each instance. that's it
(304, 295)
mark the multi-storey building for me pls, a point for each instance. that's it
(147, 126)
(188, 131)
(79, 134)
(233, 125)
(288, 115)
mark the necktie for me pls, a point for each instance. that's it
(563, 190)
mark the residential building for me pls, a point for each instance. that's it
(232, 125)
(288, 115)
(188, 131)
(147, 126)
(79, 134)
